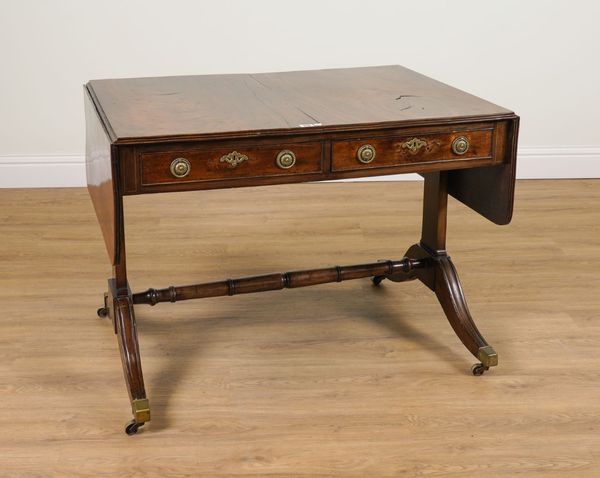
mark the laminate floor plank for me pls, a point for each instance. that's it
(338, 380)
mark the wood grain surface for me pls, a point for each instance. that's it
(339, 380)
(200, 106)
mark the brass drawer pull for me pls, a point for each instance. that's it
(460, 145)
(180, 167)
(286, 159)
(365, 154)
(234, 159)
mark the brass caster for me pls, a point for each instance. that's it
(488, 356)
(132, 427)
(102, 312)
(377, 280)
(141, 410)
(478, 369)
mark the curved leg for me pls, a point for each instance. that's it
(132, 366)
(439, 274)
(451, 297)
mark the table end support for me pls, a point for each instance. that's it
(118, 305)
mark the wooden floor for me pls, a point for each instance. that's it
(334, 380)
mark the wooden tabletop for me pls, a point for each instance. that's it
(197, 107)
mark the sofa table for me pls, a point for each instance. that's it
(181, 133)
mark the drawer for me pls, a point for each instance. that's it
(413, 149)
(219, 163)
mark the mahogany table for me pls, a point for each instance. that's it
(154, 135)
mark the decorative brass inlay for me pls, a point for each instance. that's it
(460, 145)
(180, 167)
(286, 159)
(234, 159)
(414, 145)
(488, 356)
(365, 154)
(141, 410)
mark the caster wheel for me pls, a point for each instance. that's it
(132, 427)
(377, 280)
(478, 369)
(102, 312)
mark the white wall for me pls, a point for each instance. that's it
(537, 57)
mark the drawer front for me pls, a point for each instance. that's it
(212, 164)
(412, 149)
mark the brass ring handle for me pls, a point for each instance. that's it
(365, 154)
(460, 145)
(286, 159)
(180, 167)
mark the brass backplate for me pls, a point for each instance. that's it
(414, 145)
(234, 159)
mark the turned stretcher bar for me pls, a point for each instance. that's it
(287, 280)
